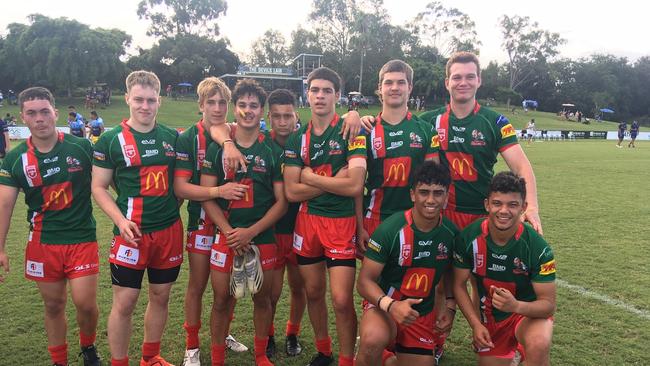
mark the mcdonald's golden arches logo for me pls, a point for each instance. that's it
(154, 180)
(461, 166)
(397, 171)
(57, 196)
(418, 282)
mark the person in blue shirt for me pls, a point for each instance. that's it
(96, 125)
(78, 116)
(622, 127)
(77, 128)
(634, 131)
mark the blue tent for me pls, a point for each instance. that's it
(184, 84)
(606, 110)
(529, 103)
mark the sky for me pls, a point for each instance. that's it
(618, 28)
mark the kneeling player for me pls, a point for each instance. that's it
(407, 256)
(249, 226)
(514, 270)
(53, 169)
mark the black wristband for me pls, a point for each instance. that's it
(450, 298)
(379, 300)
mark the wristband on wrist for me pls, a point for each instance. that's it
(226, 140)
(218, 192)
(452, 310)
(450, 298)
(389, 306)
(379, 300)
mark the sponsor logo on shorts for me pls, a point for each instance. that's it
(297, 241)
(85, 267)
(127, 255)
(176, 258)
(339, 251)
(218, 259)
(203, 242)
(425, 340)
(34, 269)
(547, 268)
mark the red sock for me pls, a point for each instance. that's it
(192, 336)
(150, 349)
(324, 346)
(59, 354)
(293, 329)
(272, 330)
(346, 361)
(260, 352)
(218, 354)
(86, 340)
(122, 362)
(385, 355)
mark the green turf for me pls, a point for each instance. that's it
(593, 207)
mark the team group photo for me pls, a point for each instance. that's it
(273, 215)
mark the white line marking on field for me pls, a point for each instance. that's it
(606, 299)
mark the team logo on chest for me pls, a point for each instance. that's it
(73, 164)
(477, 138)
(31, 171)
(416, 140)
(169, 149)
(377, 143)
(335, 148)
(520, 267)
(442, 251)
(260, 164)
(129, 151)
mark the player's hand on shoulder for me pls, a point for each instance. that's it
(233, 157)
(532, 216)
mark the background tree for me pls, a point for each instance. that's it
(527, 47)
(270, 50)
(180, 17)
(446, 29)
(62, 54)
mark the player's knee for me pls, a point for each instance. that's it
(221, 304)
(54, 306)
(125, 307)
(342, 303)
(537, 347)
(87, 307)
(315, 293)
(373, 341)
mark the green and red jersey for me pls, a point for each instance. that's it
(191, 149)
(525, 259)
(469, 147)
(143, 173)
(414, 261)
(287, 222)
(57, 189)
(326, 155)
(394, 151)
(263, 171)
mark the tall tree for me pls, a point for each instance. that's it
(526, 45)
(446, 29)
(270, 50)
(181, 17)
(304, 41)
(62, 53)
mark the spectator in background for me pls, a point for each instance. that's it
(78, 116)
(530, 130)
(1, 98)
(634, 131)
(622, 128)
(77, 127)
(4, 136)
(96, 125)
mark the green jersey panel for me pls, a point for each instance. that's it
(326, 155)
(143, 173)
(191, 149)
(525, 259)
(394, 152)
(263, 171)
(414, 261)
(469, 148)
(57, 189)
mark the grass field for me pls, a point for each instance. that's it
(182, 113)
(594, 210)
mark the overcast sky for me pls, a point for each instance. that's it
(616, 27)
